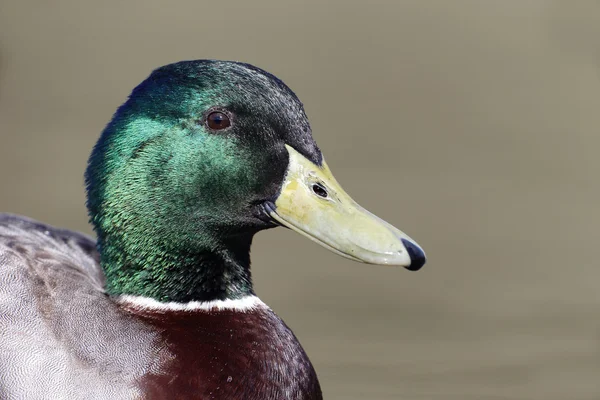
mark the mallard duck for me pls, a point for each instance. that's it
(203, 155)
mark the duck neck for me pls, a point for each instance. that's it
(216, 271)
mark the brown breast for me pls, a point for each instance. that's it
(226, 354)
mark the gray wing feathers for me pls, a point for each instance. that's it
(35, 241)
(61, 337)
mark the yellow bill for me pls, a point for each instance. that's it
(313, 204)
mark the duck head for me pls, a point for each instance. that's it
(203, 155)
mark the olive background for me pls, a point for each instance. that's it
(474, 126)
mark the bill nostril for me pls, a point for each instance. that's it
(417, 257)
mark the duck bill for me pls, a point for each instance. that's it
(312, 203)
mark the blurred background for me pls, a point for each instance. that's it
(473, 126)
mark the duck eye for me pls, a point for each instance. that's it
(217, 120)
(319, 190)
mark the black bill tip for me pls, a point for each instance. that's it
(417, 257)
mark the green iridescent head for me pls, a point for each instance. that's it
(189, 169)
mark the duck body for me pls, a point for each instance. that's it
(202, 156)
(55, 314)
